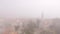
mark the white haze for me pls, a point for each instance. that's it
(30, 8)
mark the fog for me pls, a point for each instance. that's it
(30, 8)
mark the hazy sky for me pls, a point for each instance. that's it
(30, 8)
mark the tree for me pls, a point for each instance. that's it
(30, 27)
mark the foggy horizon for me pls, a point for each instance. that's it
(30, 8)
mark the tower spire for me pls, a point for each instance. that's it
(42, 15)
(42, 20)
